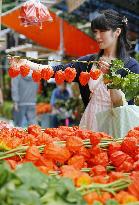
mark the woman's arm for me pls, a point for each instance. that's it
(116, 97)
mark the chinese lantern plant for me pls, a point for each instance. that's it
(47, 73)
(70, 74)
(43, 108)
(59, 77)
(36, 76)
(84, 78)
(95, 73)
(24, 70)
(13, 72)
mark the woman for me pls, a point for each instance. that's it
(110, 30)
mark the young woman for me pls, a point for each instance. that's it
(110, 29)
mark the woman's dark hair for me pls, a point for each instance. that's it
(111, 20)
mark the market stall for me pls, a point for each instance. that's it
(70, 165)
(67, 165)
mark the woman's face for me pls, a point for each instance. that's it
(104, 38)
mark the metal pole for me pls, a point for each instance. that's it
(0, 12)
(61, 47)
(1, 78)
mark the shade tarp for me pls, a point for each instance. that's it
(76, 43)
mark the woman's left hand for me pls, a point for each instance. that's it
(103, 66)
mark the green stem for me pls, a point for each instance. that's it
(43, 59)
(120, 187)
(8, 156)
(119, 181)
(133, 203)
(115, 184)
(12, 151)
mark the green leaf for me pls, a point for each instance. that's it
(28, 186)
(97, 203)
(49, 196)
(25, 196)
(128, 84)
(116, 65)
(111, 202)
(31, 176)
(52, 198)
(4, 173)
(117, 80)
(73, 197)
(65, 185)
(3, 194)
(58, 201)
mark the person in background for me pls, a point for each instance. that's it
(58, 97)
(24, 94)
(59, 93)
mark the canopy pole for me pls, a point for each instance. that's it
(1, 76)
(61, 47)
(0, 12)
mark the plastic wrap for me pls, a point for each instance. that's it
(33, 12)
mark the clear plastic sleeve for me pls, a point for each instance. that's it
(33, 12)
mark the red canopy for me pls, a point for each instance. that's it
(76, 42)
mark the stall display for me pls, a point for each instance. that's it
(100, 169)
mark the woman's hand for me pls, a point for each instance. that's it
(116, 97)
(103, 65)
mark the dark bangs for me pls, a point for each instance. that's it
(100, 23)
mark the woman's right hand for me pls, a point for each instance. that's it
(104, 66)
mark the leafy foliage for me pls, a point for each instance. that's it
(28, 186)
(129, 84)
